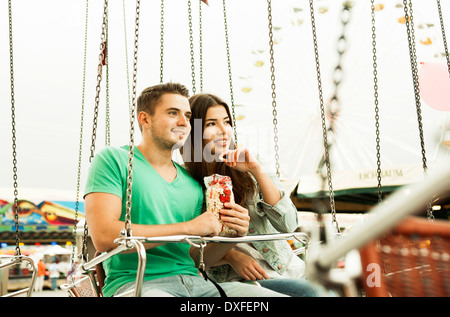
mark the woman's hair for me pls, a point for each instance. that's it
(243, 183)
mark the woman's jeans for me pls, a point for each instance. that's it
(196, 286)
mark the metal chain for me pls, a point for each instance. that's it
(126, 54)
(84, 255)
(443, 35)
(413, 59)
(274, 100)
(80, 149)
(127, 228)
(13, 125)
(341, 49)
(375, 87)
(107, 112)
(200, 43)
(322, 110)
(334, 102)
(191, 40)
(99, 78)
(233, 113)
(161, 44)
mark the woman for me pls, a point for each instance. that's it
(211, 150)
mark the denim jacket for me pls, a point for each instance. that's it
(267, 219)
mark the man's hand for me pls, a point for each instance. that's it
(204, 225)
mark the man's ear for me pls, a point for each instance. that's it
(144, 119)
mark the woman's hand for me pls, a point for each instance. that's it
(235, 217)
(245, 266)
(241, 160)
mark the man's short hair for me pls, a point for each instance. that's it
(150, 96)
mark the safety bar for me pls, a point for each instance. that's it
(300, 236)
(17, 259)
(197, 241)
(124, 244)
(408, 200)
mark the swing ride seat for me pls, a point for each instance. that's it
(91, 284)
(84, 286)
(100, 275)
(14, 260)
(413, 260)
(88, 280)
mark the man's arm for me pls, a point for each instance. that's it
(234, 216)
(103, 212)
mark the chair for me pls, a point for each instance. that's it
(89, 284)
(413, 260)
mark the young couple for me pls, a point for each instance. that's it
(168, 200)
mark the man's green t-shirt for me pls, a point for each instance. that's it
(154, 201)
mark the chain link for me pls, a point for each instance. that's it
(99, 78)
(322, 111)
(200, 43)
(127, 228)
(375, 88)
(161, 44)
(126, 54)
(191, 45)
(80, 149)
(409, 21)
(13, 130)
(107, 112)
(341, 50)
(274, 101)
(443, 35)
(230, 81)
(84, 254)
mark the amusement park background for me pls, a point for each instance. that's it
(51, 83)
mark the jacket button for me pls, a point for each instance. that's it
(280, 266)
(265, 250)
(252, 230)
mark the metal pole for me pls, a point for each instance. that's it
(407, 201)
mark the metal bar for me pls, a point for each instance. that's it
(19, 292)
(13, 262)
(406, 201)
(142, 256)
(124, 244)
(16, 259)
(218, 239)
(102, 257)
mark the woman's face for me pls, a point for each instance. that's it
(217, 131)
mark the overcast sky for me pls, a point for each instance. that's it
(48, 38)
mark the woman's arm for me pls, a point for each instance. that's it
(276, 205)
(235, 217)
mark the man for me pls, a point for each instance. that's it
(166, 201)
(42, 269)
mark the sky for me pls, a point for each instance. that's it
(49, 38)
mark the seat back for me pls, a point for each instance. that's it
(413, 260)
(88, 285)
(84, 285)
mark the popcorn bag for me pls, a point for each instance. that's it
(219, 190)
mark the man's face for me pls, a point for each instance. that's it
(169, 126)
